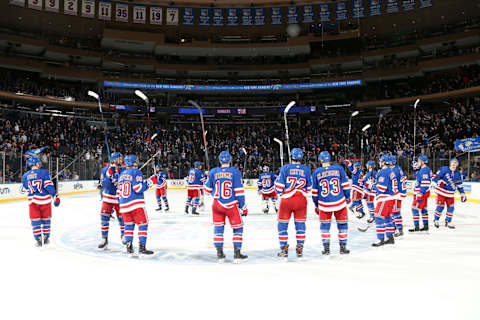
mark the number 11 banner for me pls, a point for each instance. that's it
(139, 14)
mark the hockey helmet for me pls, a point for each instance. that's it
(324, 157)
(266, 169)
(115, 156)
(296, 154)
(31, 161)
(197, 164)
(224, 157)
(371, 163)
(423, 158)
(130, 159)
(159, 167)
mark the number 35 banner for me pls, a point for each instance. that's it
(172, 16)
(121, 11)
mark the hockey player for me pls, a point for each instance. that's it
(160, 182)
(109, 181)
(448, 180)
(357, 187)
(40, 189)
(386, 194)
(331, 195)
(292, 186)
(131, 187)
(369, 189)
(401, 180)
(266, 189)
(195, 181)
(224, 183)
(422, 192)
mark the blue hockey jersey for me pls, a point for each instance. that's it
(195, 179)
(161, 181)
(109, 180)
(131, 187)
(423, 180)
(448, 182)
(266, 182)
(357, 177)
(294, 178)
(39, 186)
(369, 182)
(331, 188)
(386, 185)
(225, 185)
(401, 180)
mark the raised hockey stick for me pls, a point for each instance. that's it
(244, 161)
(152, 157)
(415, 126)
(193, 103)
(289, 106)
(95, 96)
(69, 165)
(280, 143)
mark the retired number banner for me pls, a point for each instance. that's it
(52, 5)
(105, 10)
(155, 15)
(88, 8)
(140, 14)
(20, 3)
(171, 16)
(35, 4)
(70, 7)
(121, 11)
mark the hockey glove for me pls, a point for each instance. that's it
(420, 198)
(56, 200)
(244, 212)
(317, 211)
(463, 197)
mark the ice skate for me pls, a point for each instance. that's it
(390, 240)
(449, 225)
(326, 249)
(414, 229)
(238, 256)
(343, 248)
(283, 254)
(143, 250)
(299, 251)
(103, 243)
(378, 243)
(220, 255)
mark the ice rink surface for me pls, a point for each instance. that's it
(423, 276)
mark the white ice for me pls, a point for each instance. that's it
(428, 276)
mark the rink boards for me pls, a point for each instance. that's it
(15, 191)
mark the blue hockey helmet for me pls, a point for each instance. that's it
(371, 163)
(115, 156)
(393, 159)
(197, 164)
(159, 167)
(385, 158)
(224, 157)
(357, 165)
(130, 159)
(423, 158)
(31, 161)
(454, 160)
(296, 154)
(324, 156)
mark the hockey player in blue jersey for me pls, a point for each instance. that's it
(109, 180)
(369, 189)
(401, 180)
(357, 187)
(447, 181)
(40, 190)
(160, 183)
(266, 189)
(224, 183)
(131, 187)
(195, 182)
(331, 195)
(386, 194)
(421, 194)
(293, 186)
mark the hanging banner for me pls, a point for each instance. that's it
(308, 14)
(276, 16)
(467, 145)
(232, 17)
(408, 5)
(204, 17)
(121, 11)
(392, 6)
(52, 5)
(20, 3)
(140, 14)
(358, 10)
(88, 8)
(70, 7)
(155, 15)
(292, 15)
(105, 10)
(35, 4)
(171, 16)
(426, 4)
(218, 19)
(324, 14)
(188, 16)
(247, 18)
(341, 12)
(259, 18)
(375, 7)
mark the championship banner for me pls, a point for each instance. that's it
(392, 6)
(259, 19)
(292, 15)
(232, 17)
(88, 8)
(467, 145)
(35, 4)
(341, 12)
(20, 3)
(171, 16)
(358, 9)
(121, 11)
(70, 7)
(155, 15)
(204, 17)
(188, 16)
(52, 5)
(308, 14)
(218, 18)
(375, 7)
(276, 16)
(324, 13)
(426, 4)
(105, 10)
(247, 18)
(139, 14)
(408, 5)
